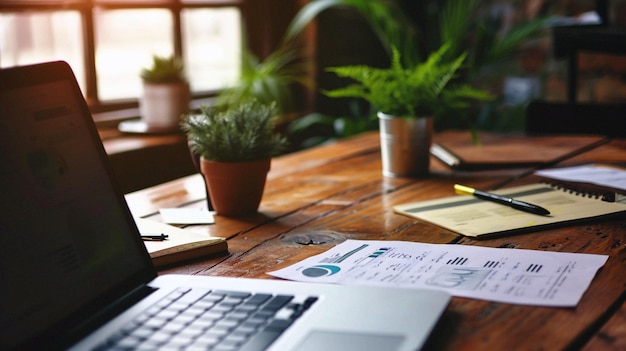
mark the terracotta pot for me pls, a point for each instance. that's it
(235, 188)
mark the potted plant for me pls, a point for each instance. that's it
(166, 93)
(235, 146)
(407, 99)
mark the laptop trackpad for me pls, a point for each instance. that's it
(344, 341)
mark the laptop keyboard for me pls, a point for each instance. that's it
(199, 319)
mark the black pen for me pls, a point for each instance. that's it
(516, 204)
(154, 237)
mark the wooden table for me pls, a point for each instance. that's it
(317, 198)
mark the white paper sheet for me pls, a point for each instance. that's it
(503, 275)
(598, 174)
(187, 216)
(176, 236)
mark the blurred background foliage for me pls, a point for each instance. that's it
(490, 32)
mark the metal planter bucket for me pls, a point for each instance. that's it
(405, 145)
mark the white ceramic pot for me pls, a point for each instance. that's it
(162, 104)
(405, 145)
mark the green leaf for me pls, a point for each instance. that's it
(307, 14)
(388, 21)
(515, 37)
(268, 81)
(455, 21)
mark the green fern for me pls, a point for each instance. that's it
(411, 92)
(244, 133)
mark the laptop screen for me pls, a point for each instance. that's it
(69, 244)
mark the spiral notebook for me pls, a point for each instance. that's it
(474, 217)
(607, 181)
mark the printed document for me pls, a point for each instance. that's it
(515, 276)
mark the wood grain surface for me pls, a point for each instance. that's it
(317, 198)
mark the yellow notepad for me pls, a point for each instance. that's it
(181, 244)
(474, 217)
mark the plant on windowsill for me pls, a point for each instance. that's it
(166, 93)
(235, 147)
(407, 99)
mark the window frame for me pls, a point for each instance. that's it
(115, 110)
(266, 19)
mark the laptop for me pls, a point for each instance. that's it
(75, 274)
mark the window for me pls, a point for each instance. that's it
(107, 42)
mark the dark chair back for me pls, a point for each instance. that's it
(576, 118)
